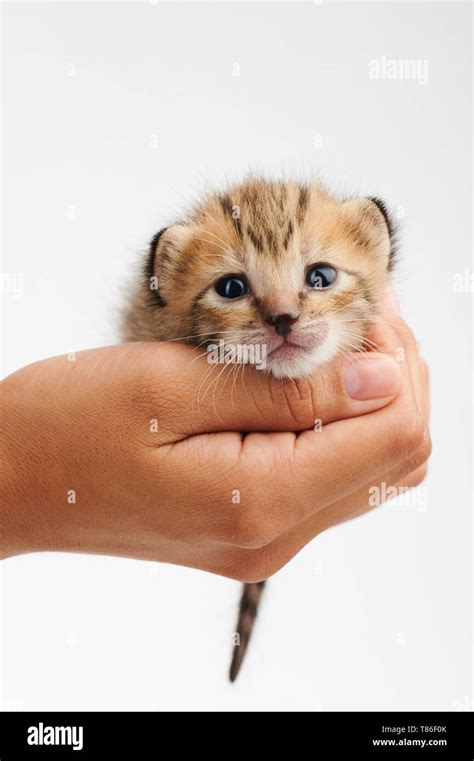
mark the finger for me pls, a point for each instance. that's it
(390, 313)
(196, 397)
(413, 479)
(408, 348)
(260, 563)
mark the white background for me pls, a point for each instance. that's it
(375, 614)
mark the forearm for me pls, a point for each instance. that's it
(35, 487)
(15, 475)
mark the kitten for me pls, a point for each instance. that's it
(282, 266)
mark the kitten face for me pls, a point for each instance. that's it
(279, 265)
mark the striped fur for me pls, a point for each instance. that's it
(250, 599)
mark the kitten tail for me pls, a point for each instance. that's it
(247, 614)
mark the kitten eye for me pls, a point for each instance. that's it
(321, 276)
(232, 287)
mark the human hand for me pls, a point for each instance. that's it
(123, 451)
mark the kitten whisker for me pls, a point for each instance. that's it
(378, 320)
(207, 375)
(197, 335)
(236, 337)
(363, 340)
(215, 383)
(227, 342)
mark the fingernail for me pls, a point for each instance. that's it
(372, 378)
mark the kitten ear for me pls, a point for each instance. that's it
(151, 274)
(161, 252)
(374, 226)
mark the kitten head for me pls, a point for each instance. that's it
(280, 265)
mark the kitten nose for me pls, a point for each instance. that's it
(282, 322)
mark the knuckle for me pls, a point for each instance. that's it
(409, 435)
(248, 568)
(299, 397)
(426, 446)
(420, 475)
(414, 433)
(260, 518)
(422, 453)
(250, 529)
(253, 566)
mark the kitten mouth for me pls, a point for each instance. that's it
(289, 347)
(286, 350)
(286, 347)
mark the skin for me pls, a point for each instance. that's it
(167, 495)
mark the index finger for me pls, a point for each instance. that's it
(202, 398)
